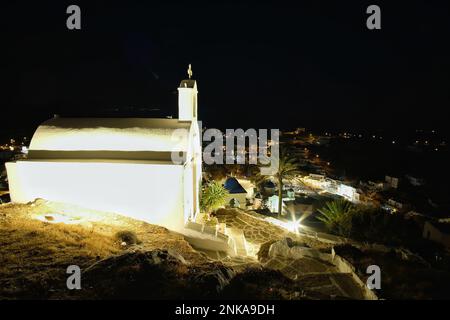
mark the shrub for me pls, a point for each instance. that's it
(213, 197)
(210, 220)
(336, 216)
(374, 225)
(129, 237)
(369, 224)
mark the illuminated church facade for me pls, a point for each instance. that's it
(147, 169)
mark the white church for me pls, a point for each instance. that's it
(144, 168)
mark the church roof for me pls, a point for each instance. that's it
(269, 184)
(111, 134)
(233, 186)
(111, 139)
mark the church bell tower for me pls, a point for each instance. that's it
(187, 99)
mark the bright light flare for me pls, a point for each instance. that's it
(294, 225)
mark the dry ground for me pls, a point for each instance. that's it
(38, 241)
(36, 248)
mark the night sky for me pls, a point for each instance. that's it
(258, 64)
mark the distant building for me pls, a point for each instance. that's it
(290, 194)
(437, 232)
(299, 205)
(348, 192)
(249, 187)
(237, 197)
(414, 181)
(378, 186)
(257, 201)
(316, 181)
(272, 204)
(395, 204)
(333, 187)
(391, 182)
(269, 186)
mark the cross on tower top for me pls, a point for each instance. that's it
(189, 71)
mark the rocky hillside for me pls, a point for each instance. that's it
(122, 258)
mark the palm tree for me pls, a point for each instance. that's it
(257, 178)
(214, 196)
(287, 168)
(334, 215)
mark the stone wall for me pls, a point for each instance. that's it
(346, 267)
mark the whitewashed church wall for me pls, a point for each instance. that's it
(149, 192)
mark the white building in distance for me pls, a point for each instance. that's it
(121, 165)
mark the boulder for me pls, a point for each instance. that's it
(155, 274)
(213, 279)
(287, 248)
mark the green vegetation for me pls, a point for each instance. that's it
(369, 224)
(374, 225)
(213, 197)
(336, 215)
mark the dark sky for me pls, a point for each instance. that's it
(258, 64)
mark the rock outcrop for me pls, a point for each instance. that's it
(156, 274)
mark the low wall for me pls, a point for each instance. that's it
(323, 237)
(207, 243)
(346, 267)
(207, 238)
(282, 248)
